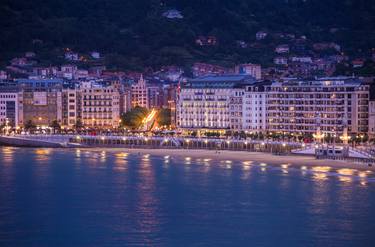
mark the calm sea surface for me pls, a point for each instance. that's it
(102, 198)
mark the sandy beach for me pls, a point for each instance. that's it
(239, 156)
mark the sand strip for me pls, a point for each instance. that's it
(240, 156)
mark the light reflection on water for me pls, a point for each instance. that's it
(8, 154)
(148, 200)
(43, 155)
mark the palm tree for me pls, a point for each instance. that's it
(78, 125)
(29, 126)
(55, 125)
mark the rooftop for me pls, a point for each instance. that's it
(220, 81)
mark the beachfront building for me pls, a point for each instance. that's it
(371, 119)
(10, 107)
(212, 103)
(254, 108)
(236, 109)
(71, 105)
(41, 101)
(296, 106)
(100, 106)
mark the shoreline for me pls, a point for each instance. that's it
(241, 156)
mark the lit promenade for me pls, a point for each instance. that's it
(187, 143)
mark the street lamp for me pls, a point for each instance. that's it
(187, 142)
(318, 136)
(7, 125)
(345, 138)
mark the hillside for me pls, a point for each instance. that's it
(135, 34)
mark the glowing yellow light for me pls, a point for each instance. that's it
(321, 169)
(362, 174)
(285, 166)
(346, 172)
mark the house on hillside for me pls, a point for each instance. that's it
(280, 60)
(255, 70)
(301, 59)
(19, 61)
(241, 44)
(71, 56)
(201, 69)
(95, 55)
(358, 63)
(261, 35)
(3, 75)
(326, 46)
(206, 41)
(30, 54)
(173, 14)
(282, 49)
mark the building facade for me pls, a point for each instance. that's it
(371, 119)
(254, 108)
(10, 108)
(255, 70)
(100, 106)
(290, 106)
(299, 106)
(41, 101)
(212, 102)
(71, 104)
(139, 94)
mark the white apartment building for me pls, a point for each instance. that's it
(254, 108)
(236, 108)
(9, 108)
(332, 103)
(292, 106)
(100, 106)
(212, 102)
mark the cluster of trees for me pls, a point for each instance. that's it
(134, 35)
(164, 117)
(133, 118)
(368, 69)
